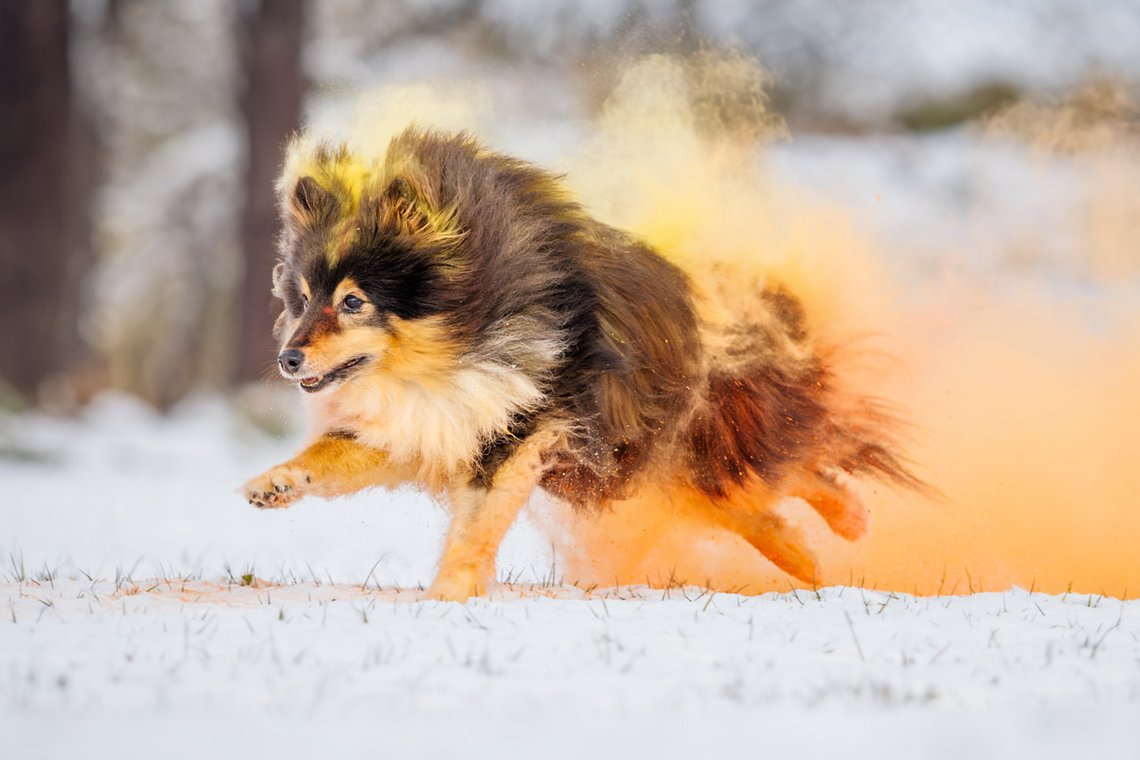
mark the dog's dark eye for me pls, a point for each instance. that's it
(352, 304)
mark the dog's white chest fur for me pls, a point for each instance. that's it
(437, 427)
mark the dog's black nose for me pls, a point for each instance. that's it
(291, 359)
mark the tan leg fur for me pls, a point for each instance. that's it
(331, 466)
(775, 538)
(836, 503)
(480, 520)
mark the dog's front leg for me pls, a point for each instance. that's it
(480, 519)
(335, 464)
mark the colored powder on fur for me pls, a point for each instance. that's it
(1021, 406)
(1023, 409)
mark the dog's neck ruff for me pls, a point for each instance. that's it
(437, 429)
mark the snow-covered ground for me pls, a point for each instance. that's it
(146, 609)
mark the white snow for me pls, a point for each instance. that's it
(125, 629)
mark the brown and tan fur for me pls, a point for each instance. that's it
(463, 326)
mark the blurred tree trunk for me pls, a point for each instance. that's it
(40, 213)
(271, 37)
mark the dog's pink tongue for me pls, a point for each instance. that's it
(310, 380)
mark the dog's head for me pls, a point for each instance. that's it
(368, 272)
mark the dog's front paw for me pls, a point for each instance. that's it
(277, 488)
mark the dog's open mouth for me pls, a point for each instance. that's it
(315, 383)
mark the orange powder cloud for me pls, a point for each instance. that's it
(1025, 417)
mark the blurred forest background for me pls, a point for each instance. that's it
(139, 139)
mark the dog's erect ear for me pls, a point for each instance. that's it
(406, 207)
(310, 204)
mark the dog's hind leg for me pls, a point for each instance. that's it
(480, 518)
(771, 535)
(841, 507)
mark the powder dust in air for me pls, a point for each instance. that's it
(1022, 401)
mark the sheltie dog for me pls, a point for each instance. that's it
(460, 324)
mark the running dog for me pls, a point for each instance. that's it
(461, 324)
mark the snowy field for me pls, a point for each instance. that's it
(147, 609)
